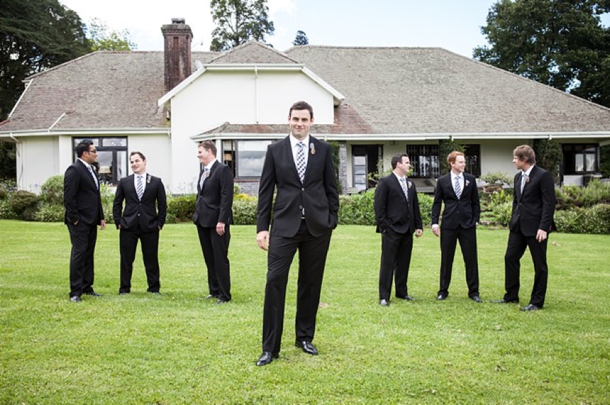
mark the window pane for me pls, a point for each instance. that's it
(114, 142)
(579, 163)
(590, 159)
(121, 165)
(360, 160)
(250, 157)
(104, 158)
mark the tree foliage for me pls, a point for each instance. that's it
(549, 155)
(300, 39)
(104, 40)
(238, 21)
(445, 147)
(561, 43)
(36, 35)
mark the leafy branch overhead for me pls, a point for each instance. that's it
(239, 21)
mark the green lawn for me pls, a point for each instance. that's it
(179, 349)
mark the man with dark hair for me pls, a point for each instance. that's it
(213, 215)
(530, 224)
(398, 217)
(83, 204)
(300, 168)
(142, 219)
(458, 192)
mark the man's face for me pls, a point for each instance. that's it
(519, 164)
(300, 122)
(137, 164)
(459, 165)
(404, 166)
(90, 156)
(204, 155)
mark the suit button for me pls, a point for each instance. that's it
(303, 189)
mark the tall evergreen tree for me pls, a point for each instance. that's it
(300, 39)
(238, 21)
(561, 43)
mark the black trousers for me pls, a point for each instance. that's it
(83, 238)
(215, 250)
(312, 259)
(395, 261)
(150, 254)
(517, 242)
(468, 245)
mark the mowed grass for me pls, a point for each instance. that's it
(180, 349)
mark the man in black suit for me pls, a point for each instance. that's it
(142, 219)
(530, 224)
(213, 215)
(458, 191)
(84, 213)
(300, 167)
(398, 217)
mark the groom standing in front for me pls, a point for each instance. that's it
(301, 168)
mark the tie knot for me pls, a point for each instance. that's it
(300, 144)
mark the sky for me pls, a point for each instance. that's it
(450, 24)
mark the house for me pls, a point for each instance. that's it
(373, 101)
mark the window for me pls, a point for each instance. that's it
(245, 158)
(111, 157)
(473, 159)
(580, 158)
(424, 160)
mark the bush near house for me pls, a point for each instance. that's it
(579, 209)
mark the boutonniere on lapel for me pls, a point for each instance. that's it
(409, 184)
(527, 179)
(312, 148)
(148, 178)
(466, 183)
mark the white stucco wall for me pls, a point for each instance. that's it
(37, 160)
(242, 97)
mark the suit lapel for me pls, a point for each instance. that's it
(88, 173)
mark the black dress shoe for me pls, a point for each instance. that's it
(406, 297)
(384, 303)
(92, 293)
(307, 347)
(441, 297)
(75, 298)
(530, 307)
(266, 358)
(476, 298)
(503, 301)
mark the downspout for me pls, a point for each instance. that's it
(256, 91)
(19, 172)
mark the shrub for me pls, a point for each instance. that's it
(23, 203)
(593, 220)
(5, 210)
(107, 194)
(244, 211)
(181, 208)
(425, 207)
(52, 191)
(357, 209)
(497, 178)
(567, 221)
(7, 186)
(594, 193)
(50, 213)
(501, 213)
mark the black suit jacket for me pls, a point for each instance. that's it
(534, 209)
(464, 212)
(318, 194)
(391, 208)
(149, 213)
(215, 199)
(82, 199)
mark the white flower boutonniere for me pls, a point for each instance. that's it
(466, 184)
(409, 184)
(148, 178)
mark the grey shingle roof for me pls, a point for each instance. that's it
(387, 91)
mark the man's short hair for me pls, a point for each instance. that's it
(301, 105)
(525, 154)
(209, 145)
(397, 158)
(139, 154)
(453, 156)
(83, 146)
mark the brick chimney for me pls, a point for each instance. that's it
(178, 37)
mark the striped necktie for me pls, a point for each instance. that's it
(140, 188)
(458, 187)
(403, 184)
(97, 184)
(301, 160)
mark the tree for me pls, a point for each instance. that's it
(549, 155)
(300, 39)
(561, 43)
(102, 40)
(238, 21)
(36, 35)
